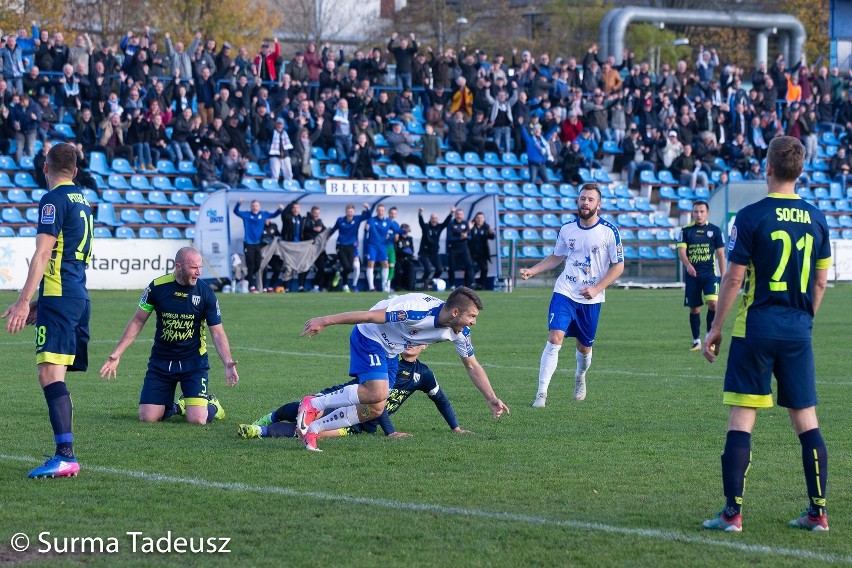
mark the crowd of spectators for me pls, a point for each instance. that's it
(150, 98)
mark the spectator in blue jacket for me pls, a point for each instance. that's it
(538, 150)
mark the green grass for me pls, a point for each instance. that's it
(639, 457)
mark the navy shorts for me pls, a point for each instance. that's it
(377, 253)
(700, 289)
(62, 332)
(163, 377)
(575, 319)
(751, 364)
(368, 360)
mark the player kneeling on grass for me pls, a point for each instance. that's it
(411, 376)
(381, 334)
(184, 304)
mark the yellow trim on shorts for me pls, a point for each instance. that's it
(54, 358)
(196, 401)
(747, 400)
(711, 297)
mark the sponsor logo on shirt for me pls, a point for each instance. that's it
(48, 214)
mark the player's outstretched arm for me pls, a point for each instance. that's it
(223, 348)
(548, 263)
(480, 380)
(314, 326)
(728, 290)
(18, 313)
(134, 326)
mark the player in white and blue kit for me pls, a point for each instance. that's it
(591, 250)
(381, 334)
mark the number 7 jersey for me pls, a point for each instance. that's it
(65, 213)
(781, 240)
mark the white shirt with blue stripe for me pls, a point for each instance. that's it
(588, 252)
(412, 319)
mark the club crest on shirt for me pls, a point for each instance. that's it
(48, 214)
(710, 234)
(196, 300)
(571, 244)
(416, 377)
(414, 331)
(595, 249)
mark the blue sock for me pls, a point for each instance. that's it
(211, 412)
(711, 315)
(61, 412)
(736, 460)
(172, 410)
(286, 413)
(279, 430)
(815, 462)
(695, 324)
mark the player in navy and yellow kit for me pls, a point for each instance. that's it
(184, 306)
(700, 247)
(411, 376)
(780, 255)
(61, 314)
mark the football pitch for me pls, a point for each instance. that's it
(623, 478)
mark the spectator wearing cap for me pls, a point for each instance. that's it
(224, 64)
(755, 174)
(363, 126)
(420, 79)
(205, 164)
(266, 62)
(436, 118)
(633, 155)
(457, 132)
(672, 149)
(298, 70)
(279, 152)
(500, 118)
(403, 51)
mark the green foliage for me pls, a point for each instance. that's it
(643, 38)
(621, 479)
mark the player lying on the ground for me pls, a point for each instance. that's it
(411, 376)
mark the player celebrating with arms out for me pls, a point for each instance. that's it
(184, 304)
(381, 334)
(780, 247)
(591, 250)
(699, 242)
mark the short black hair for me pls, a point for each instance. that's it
(462, 298)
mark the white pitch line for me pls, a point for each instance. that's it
(655, 534)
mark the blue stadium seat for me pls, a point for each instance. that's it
(841, 205)
(644, 235)
(335, 170)
(684, 205)
(140, 182)
(37, 194)
(165, 167)
(531, 252)
(567, 203)
(491, 187)
(601, 176)
(187, 168)
(821, 193)
(846, 234)
(826, 207)
(199, 197)
(568, 218)
(647, 177)
(180, 198)
(625, 220)
(530, 235)
(91, 196)
(832, 222)
(472, 158)
(106, 215)
(627, 234)
(414, 171)
(509, 174)
(510, 235)
(136, 196)
(845, 221)
(665, 252)
(509, 219)
(472, 173)
(313, 186)
(548, 190)
(473, 187)
(380, 140)
(287, 184)
(642, 204)
(31, 215)
(183, 183)
(176, 217)
(835, 191)
(586, 175)
(531, 204)
(124, 233)
(530, 190)
(611, 147)
(668, 193)
(829, 138)
(568, 190)
(189, 233)
(435, 173)
(630, 253)
(550, 220)
(332, 154)
(153, 216)
(735, 175)
(7, 163)
(318, 153)
(415, 187)
(647, 253)
(122, 166)
(117, 181)
(454, 187)
(512, 204)
(171, 233)
(435, 187)
(550, 204)
(6, 181)
(162, 183)
(491, 174)
(510, 159)
(394, 171)
(158, 198)
(685, 192)
(804, 192)
(25, 181)
(18, 196)
(661, 220)
(549, 235)
(454, 158)
(621, 190)
(27, 161)
(102, 233)
(532, 220)
(249, 183)
(27, 231)
(666, 177)
(131, 216)
(253, 169)
(623, 204)
(269, 184)
(148, 233)
(98, 164)
(12, 215)
(512, 189)
(193, 216)
(663, 235)
(643, 220)
(702, 193)
(492, 159)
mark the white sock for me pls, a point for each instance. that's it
(371, 279)
(549, 360)
(356, 272)
(346, 396)
(583, 362)
(385, 272)
(340, 418)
